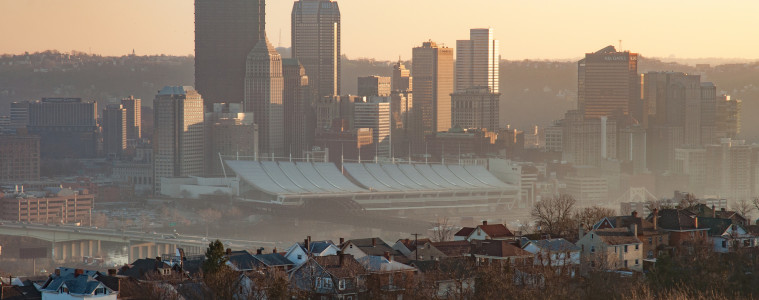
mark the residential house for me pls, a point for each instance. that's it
(453, 249)
(452, 278)
(703, 210)
(68, 283)
(499, 251)
(612, 249)
(370, 247)
(554, 252)
(150, 269)
(654, 240)
(422, 249)
(484, 232)
(681, 225)
(245, 261)
(386, 276)
(334, 276)
(725, 236)
(299, 252)
(22, 291)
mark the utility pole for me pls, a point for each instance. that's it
(416, 244)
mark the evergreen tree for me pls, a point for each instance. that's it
(215, 257)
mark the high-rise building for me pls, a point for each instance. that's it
(433, 85)
(19, 158)
(114, 130)
(230, 132)
(588, 141)
(19, 114)
(708, 113)
(475, 108)
(374, 86)
(67, 127)
(264, 86)
(727, 117)
(297, 101)
(178, 134)
(133, 117)
(374, 113)
(316, 43)
(402, 80)
(402, 116)
(477, 60)
(225, 32)
(608, 83)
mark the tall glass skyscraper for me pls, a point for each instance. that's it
(316, 43)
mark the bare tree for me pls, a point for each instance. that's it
(688, 202)
(442, 232)
(591, 215)
(554, 215)
(744, 207)
(209, 215)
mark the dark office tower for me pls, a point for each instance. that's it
(708, 113)
(264, 86)
(67, 127)
(114, 130)
(433, 85)
(402, 80)
(225, 31)
(133, 118)
(299, 114)
(316, 43)
(374, 86)
(178, 134)
(608, 83)
(19, 115)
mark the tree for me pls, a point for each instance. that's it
(209, 215)
(688, 201)
(591, 215)
(554, 215)
(442, 232)
(744, 208)
(215, 257)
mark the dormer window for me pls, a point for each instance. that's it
(300, 256)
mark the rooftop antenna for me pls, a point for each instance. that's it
(620, 46)
(280, 38)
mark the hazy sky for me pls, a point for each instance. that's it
(384, 29)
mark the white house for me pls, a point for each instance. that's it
(727, 237)
(554, 252)
(612, 249)
(72, 284)
(299, 252)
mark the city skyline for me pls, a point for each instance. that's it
(556, 31)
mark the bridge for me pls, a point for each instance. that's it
(75, 242)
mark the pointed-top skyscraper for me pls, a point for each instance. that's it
(225, 31)
(316, 43)
(264, 87)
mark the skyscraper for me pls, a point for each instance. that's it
(475, 108)
(316, 43)
(229, 133)
(297, 99)
(374, 113)
(133, 117)
(178, 134)
(114, 130)
(402, 80)
(608, 83)
(374, 86)
(264, 86)
(477, 60)
(433, 85)
(225, 32)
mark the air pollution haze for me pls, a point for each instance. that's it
(422, 149)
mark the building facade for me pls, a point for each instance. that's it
(402, 80)
(433, 86)
(133, 118)
(475, 107)
(67, 127)
(19, 158)
(264, 88)
(225, 32)
(178, 134)
(52, 205)
(374, 113)
(477, 60)
(297, 100)
(316, 43)
(608, 83)
(374, 86)
(114, 130)
(230, 133)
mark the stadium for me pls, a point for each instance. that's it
(395, 188)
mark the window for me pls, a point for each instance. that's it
(650, 254)
(341, 284)
(591, 236)
(615, 249)
(660, 239)
(300, 256)
(625, 248)
(724, 244)
(625, 263)
(637, 262)
(327, 283)
(650, 241)
(318, 282)
(592, 249)
(637, 246)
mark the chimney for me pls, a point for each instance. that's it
(341, 257)
(374, 242)
(308, 238)
(112, 272)
(656, 219)
(78, 272)
(722, 209)
(342, 241)
(259, 251)
(714, 211)
(387, 255)
(695, 221)
(229, 251)
(274, 250)
(58, 272)
(634, 229)
(635, 214)
(484, 222)
(158, 258)
(581, 231)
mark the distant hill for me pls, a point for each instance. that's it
(534, 92)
